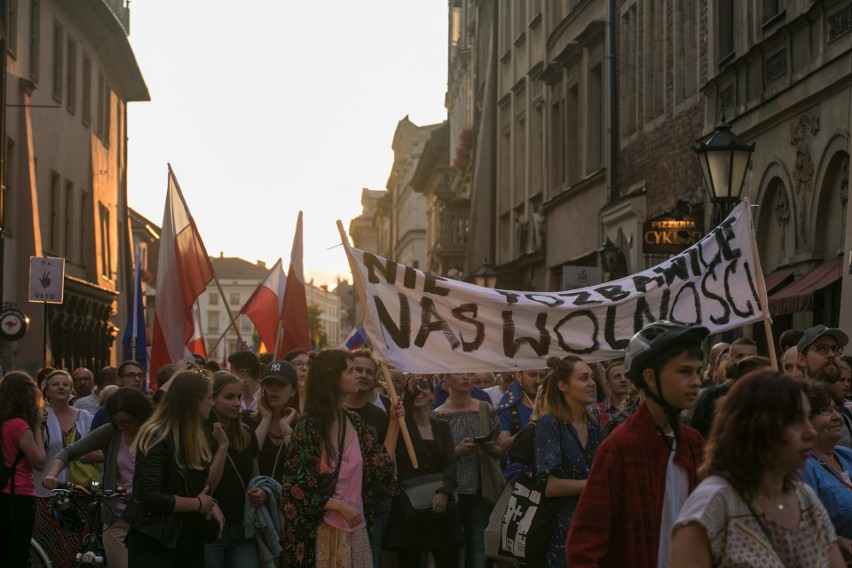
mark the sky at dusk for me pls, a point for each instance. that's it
(265, 108)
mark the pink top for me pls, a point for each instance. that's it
(12, 431)
(124, 468)
(348, 488)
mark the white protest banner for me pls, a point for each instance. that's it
(422, 323)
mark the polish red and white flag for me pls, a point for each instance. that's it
(183, 272)
(265, 305)
(196, 345)
(296, 334)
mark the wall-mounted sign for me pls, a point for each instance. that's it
(13, 324)
(580, 276)
(667, 234)
(47, 279)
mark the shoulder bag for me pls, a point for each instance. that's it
(491, 480)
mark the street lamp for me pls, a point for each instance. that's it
(724, 160)
(485, 275)
(609, 256)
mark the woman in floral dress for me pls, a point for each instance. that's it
(333, 468)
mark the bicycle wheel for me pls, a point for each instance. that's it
(38, 557)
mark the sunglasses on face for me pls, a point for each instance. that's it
(423, 385)
(824, 349)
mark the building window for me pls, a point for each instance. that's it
(504, 172)
(772, 8)
(536, 162)
(107, 113)
(212, 321)
(99, 126)
(213, 299)
(55, 211)
(69, 219)
(519, 138)
(58, 58)
(572, 125)
(6, 221)
(686, 49)
(557, 138)
(726, 28)
(106, 252)
(12, 28)
(35, 38)
(87, 90)
(655, 44)
(71, 77)
(246, 323)
(234, 299)
(84, 224)
(629, 51)
(595, 120)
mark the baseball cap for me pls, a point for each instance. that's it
(279, 371)
(814, 333)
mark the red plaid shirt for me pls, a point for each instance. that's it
(617, 522)
(607, 409)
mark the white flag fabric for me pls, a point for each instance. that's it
(422, 323)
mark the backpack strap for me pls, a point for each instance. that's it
(516, 419)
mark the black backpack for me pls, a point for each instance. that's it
(7, 472)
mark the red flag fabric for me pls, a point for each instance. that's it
(295, 314)
(265, 306)
(183, 272)
(196, 345)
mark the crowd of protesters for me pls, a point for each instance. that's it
(668, 457)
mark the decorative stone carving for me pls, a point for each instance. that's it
(539, 231)
(840, 23)
(803, 168)
(782, 217)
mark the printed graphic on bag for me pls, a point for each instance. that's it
(518, 519)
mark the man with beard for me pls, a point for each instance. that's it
(819, 352)
(516, 406)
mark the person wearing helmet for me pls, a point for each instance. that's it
(645, 469)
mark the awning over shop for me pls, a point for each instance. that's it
(774, 279)
(799, 296)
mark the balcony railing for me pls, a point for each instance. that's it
(121, 9)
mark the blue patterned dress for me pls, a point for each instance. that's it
(558, 452)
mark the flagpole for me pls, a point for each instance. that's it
(403, 426)
(278, 339)
(218, 341)
(204, 248)
(761, 289)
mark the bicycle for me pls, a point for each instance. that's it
(67, 497)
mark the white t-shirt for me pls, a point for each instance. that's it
(677, 491)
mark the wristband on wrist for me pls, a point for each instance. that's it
(199, 504)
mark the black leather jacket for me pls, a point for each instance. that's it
(156, 481)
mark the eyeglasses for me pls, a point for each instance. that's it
(826, 410)
(133, 375)
(824, 349)
(364, 371)
(299, 364)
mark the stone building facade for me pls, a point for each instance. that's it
(69, 75)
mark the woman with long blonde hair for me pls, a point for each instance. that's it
(566, 437)
(171, 499)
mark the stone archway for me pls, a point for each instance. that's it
(831, 203)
